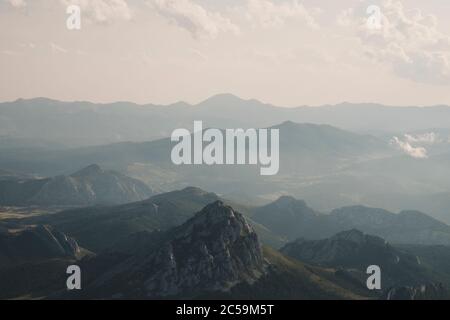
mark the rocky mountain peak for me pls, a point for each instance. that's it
(213, 251)
(217, 214)
(93, 169)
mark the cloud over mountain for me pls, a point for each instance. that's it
(424, 138)
(406, 147)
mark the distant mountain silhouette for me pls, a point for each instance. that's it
(91, 185)
(85, 123)
(289, 217)
(36, 133)
(293, 219)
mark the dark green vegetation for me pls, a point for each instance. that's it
(35, 244)
(167, 247)
(289, 279)
(34, 259)
(216, 254)
(100, 227)
(354, 251)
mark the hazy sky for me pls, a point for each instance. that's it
(285, 52)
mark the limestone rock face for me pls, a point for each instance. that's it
(213, 251)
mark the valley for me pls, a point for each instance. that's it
(141, 227)
(209, 156)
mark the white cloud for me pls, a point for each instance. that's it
(409, 42)
(266, 13)
(414, 144)
(194, 18)
(102, 11)
(17, 3)
(406, 147)
(429, 138)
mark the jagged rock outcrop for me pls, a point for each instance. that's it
(213, 251)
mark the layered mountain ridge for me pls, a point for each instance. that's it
(293, 219)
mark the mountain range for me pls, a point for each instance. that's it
(162, 248)
(132, 221)
(84, 123)
(327, 166)
(214, 254)
(354, 251)
(283, 220)
(292, 218)
(98, 228)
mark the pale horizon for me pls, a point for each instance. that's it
(195, 103)
(282, 52)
